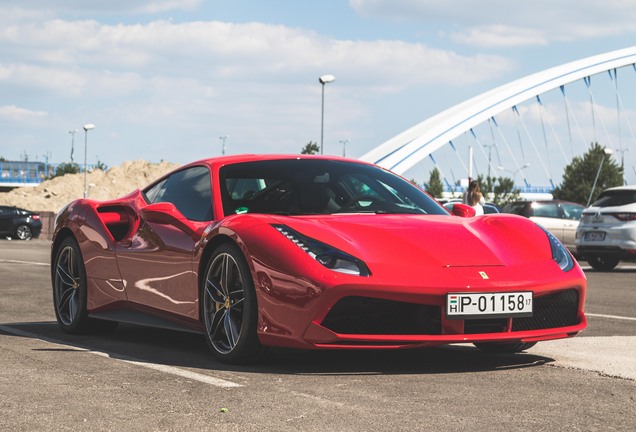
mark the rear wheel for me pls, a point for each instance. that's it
(504, 347)
(70, 293)
(229, 307)
(23, 232)
(603, 263)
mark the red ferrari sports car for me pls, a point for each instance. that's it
(310, 252)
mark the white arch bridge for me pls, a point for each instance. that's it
(540, 121)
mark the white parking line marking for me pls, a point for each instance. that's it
(206, 379)
(24, 262)
(611, 316)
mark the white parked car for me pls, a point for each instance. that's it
(561, 218)
(607, 230)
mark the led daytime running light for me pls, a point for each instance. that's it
(328, 256)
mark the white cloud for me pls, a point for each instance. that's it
(111, 6)
(12, 113)
(500, 23)
(69, 55)
(500, 36)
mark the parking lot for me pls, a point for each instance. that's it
(152, 379)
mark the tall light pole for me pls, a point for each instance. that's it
(72, 132)
(514, 173)
(324, 79)
(223, 138)
(344, 146)
(606, 152)
(87, 127)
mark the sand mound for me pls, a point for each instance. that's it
(52, 195)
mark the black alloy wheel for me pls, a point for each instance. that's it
(69, 288)
(70, 292)
(229, 308)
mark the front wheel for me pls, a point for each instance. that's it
(504, 347)
(229, 307)
(603, 263)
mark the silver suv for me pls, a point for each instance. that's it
(607, 230)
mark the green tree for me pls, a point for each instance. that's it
(101, 165)
(498, 190)
(65, 168)
(579, 175)
(310, 148)
(435, 187)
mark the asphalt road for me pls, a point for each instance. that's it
(139, 379)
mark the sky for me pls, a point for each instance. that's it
(175, 79)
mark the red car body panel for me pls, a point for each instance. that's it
(137, 262)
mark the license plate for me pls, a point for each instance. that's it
(594, 236)
(488, 305)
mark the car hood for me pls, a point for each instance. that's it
(428, 240)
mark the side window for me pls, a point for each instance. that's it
(189, 190)
(545, 210)
(572, 212)
(518, 209)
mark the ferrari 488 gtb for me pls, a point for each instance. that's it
(310, 252)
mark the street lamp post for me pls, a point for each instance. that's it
(344, 146)
(324, 79)
(72, 132)
(87, 127)
(607, 152)
(514, 173)
(223, 138)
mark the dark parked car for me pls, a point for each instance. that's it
(19, 223)
(561, 218)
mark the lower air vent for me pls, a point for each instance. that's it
(550, 311)
(364, 315)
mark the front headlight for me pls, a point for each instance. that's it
(560, 254)
(330, 257)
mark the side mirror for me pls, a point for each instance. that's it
(463, 210)
(166, 213)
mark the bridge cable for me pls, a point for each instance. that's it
(534, 146)
(439, 169)
(506, 143)
(584, 142)
(545, 137)
(588, 84)
(555, 135)
(567, 117)
(494, 143)
(593, 101)
(629, 126)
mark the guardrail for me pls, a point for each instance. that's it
(19, 174)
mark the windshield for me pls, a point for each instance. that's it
(313, 186)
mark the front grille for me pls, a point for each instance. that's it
(550, 311)
(365, 315)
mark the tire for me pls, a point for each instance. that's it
(23, 232)
(603, 263)
(504, 347)
(229, 308)
(70, 292)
